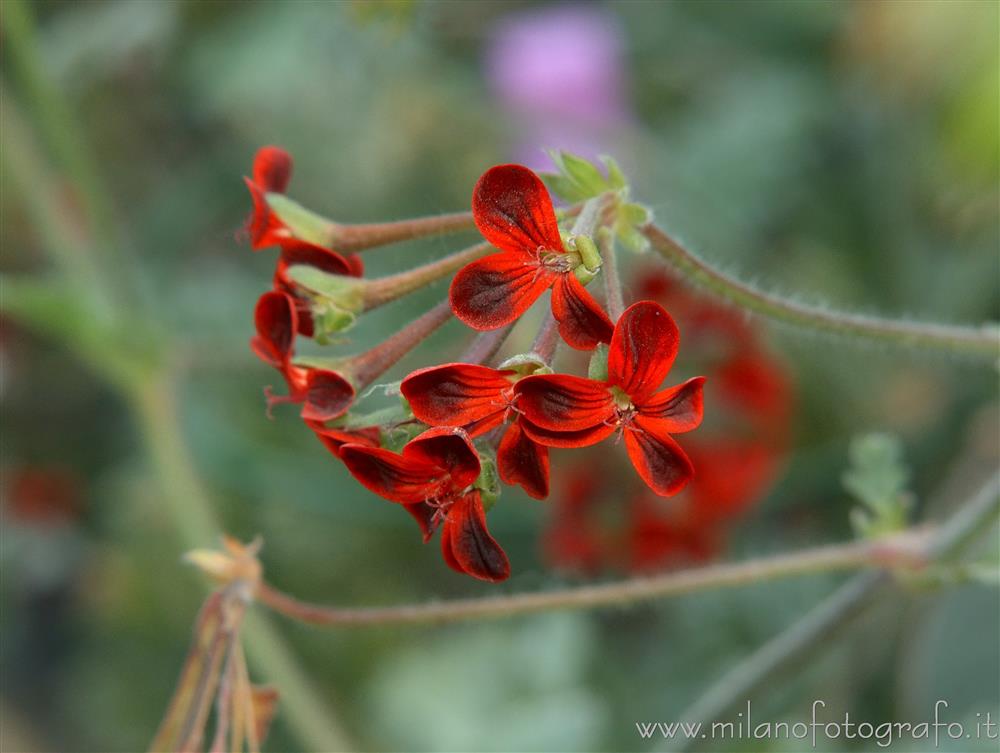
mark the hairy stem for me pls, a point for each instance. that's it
(368, 366)
(382, 290)
(353, 238)
(834, 614)
(547, 339)
(485, 345)
(612, 281)
(898, 551)
(979, 342)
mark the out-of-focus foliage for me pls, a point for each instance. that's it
(844, 152)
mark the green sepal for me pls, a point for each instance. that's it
(589, 254)
(303, 223)
(597, 369)
(526, 364)
(488, 482)
(335, 300)
(326, 364)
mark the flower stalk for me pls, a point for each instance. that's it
(982, 343)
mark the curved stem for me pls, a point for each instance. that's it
(382, 290)
(901, 550)
(833, 615)
(979, 342)
(547, 339)
(486, 345)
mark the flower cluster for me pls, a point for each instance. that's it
(465, 426)
(597, 525)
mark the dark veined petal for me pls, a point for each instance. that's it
(276, 321)
(468, 546)
(450, 450)
(660, 461)
(678, 409)
(495, 290)
(513, 211)
(578, 438)
(272, 169)
(327, 395)
(458, 394)
(301, 252)
(521, 460)
(333, 438)
(582, 322)
(397, 479)
(562, 402)
(643, 349)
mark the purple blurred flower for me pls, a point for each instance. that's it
(558, 71)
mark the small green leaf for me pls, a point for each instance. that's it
(877, 478)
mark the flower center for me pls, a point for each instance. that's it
(558, 262)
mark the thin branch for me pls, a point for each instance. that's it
(979, 342)
(612, 280)
(902, 550)
(833, 615)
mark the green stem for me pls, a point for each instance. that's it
(155, 407)
(612, 280)
(898, 551)
(833, 615)
(978, 342)
(60, 128)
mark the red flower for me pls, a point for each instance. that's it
(334, 438)
(325, 394)
(272, 170)
(567, 411)
(478, 399)
(433, 479)
(513, 211)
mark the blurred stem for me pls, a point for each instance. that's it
(902, 550)
(154, 403)
(833, 615)
(978, 342)
(486, 345)
(65, 243)
(547, 339)
(58, 125)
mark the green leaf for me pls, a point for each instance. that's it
(305, 224)
(877, 478)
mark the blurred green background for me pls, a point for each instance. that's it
(843, 152)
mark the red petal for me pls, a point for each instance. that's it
(458, 394)
(449, 449)
(582, 321)
(561, 402)
(659, 460)
(579, 438)
(276, 321)
(264, 226)
(467, 545)
(328, 395)
(521, 460)
(272, 169)
(389, 475)
(423, 513)
(513, 211)
(679, 408)
(495, 290)
(301, 252)
(643, 349)
(334, 439)
(357, 266)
